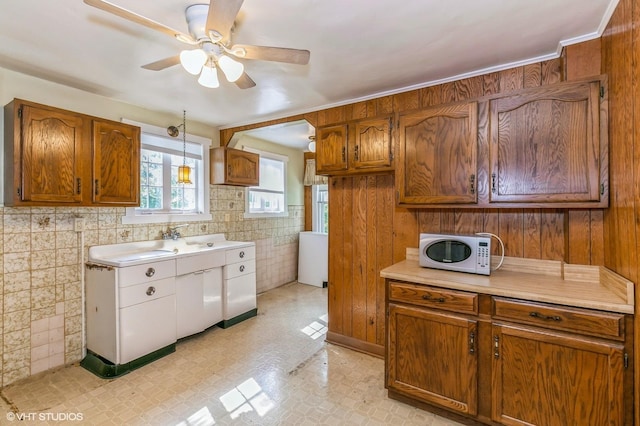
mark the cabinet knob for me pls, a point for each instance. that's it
(150, 272)
(241, 268)
(241, 255)
(151, 291)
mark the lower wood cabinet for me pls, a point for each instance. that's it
(506, 361)
(432, 357)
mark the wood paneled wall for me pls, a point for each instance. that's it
(621, 62)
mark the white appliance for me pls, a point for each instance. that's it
(313, 257)
(462, 253)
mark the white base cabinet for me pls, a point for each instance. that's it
(239, 284)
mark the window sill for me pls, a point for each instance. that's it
(133, 219)
(265, 215)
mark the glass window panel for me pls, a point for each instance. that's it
(271, 174)
(155, 174)
(266, 202)
(155, 197)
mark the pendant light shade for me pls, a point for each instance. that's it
(184, 174)
(209, 77)
(231, 68)
(193, 60)
(184, 171)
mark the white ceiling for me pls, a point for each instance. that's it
(359, 49)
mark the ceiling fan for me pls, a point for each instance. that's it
(210, 28)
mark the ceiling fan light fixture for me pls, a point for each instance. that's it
(209, 77)
(193, 60)
(231, 68)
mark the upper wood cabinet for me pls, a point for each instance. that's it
(231, 166)
(356, 147)
(55, 157)
(437, 159)
(542, 147)
(549, 145)
(116, 163)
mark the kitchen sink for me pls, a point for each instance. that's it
(143, 255)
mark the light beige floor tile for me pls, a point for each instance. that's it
(264, 371)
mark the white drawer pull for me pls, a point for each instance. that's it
(241, 255)
(151, 291)
(150, 272)
(241, 268)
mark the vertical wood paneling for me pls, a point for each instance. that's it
(579, 232)
(552, 234)
(336, 302)
(384, 105)
(468, 88)
(532, 75)
(468, 221)
(384, 254)
(552, 71)
(448, 92)
(583, 59)
(356, 111)
(597, 237)
(346, 282)
(429, 221)
(358, 258)
(532, 244)
(511, 231)
(430, 96)
(491, 83)
(511, 79)
(372, 271)
(406, 101)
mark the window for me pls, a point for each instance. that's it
(162, 198)
(269, 199)
(320, 209)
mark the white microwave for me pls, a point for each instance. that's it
(461, 253)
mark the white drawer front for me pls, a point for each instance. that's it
(241, 254)
(200, 262)
(238, 269)
(145, 273)
(145, 292)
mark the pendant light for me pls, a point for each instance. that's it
(184, 171)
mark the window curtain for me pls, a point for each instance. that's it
(310, 177)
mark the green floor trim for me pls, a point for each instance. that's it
(107, 370)
(239, 318)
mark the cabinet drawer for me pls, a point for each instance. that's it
(200, 262)
(433, 297)
(238, 269)
(145, 273)
(241, 254)
(594, 323)
(145, 292)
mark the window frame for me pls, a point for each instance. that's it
(272, 156)
(135, 216)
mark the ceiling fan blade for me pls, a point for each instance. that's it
(162, 63)
(139, 19)
(277, 54)
(220, 18)
(245, 82)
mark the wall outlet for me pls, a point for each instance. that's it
(78, 224)
(227, 217)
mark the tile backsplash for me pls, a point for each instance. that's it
(40, 284)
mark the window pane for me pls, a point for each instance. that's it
(265, 202)
(271, 174)
(155, 197)
(155, 174)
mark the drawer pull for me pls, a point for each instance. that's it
(433, 299)
(545, 317)
(151, 291)
(241, 268)
(150, 272)
(241, 255)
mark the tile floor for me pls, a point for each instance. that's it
(274, 369)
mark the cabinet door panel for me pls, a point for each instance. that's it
(116, 163)
(51, 156)
(437, 158)
(548, 378)
(331, 149)
(431, 356)
(545, 145)
(243, 167)
(372, 146)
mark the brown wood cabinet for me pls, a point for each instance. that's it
(437, 161)
(116, 163)
(432, 355)
(508, 361)
(356, 147)
(549, 145)
(541, 147)
(55, 157)
(231, 166)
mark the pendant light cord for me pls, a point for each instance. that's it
(184, 137)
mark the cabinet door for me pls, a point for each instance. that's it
(547, 378)
(545, 145)
(372, 144)
(51, 161)
(212, 292)
(437, 155)
(243, 168)
(431, 356)
(189, 304)
(116, 163)
(331, 149)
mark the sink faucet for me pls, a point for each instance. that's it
(172, 233)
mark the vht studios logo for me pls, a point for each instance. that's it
(43, 417)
